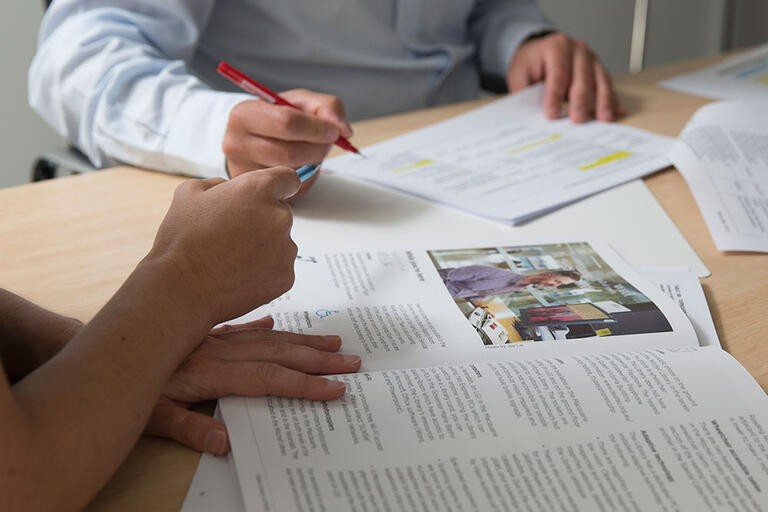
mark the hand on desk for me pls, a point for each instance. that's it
(261, 135)
(249, 360)
(571, 73)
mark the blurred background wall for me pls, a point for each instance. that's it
(677, 29)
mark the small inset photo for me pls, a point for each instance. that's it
(544, 293)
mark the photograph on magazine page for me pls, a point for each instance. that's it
(544, 292)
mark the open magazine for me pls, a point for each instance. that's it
(539, 376)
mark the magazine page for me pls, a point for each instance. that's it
(628, 431)
(684, 288)
(414, 308)
(506, 161)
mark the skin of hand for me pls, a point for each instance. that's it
(223, 249)
(260, 134)
(571, 73)
(247, 359)
(250, 360)
(232, 267)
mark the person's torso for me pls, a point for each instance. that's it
(378, 56)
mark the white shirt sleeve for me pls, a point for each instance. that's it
(112, 78)
(499, 27)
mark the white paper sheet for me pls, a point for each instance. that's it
(743, 77)
(684, 288)
(355, 213)
(723, 155)
(506, 162)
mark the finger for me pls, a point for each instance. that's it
(606, 106)
(270, 152)
(329, 343)
(325, 106)
(297, 357)
(192, 429)
(196, 185)
(259, 379)
(581, 95)
(557, 65)
(524, 67)
(518, 78)
(277, 182)
(266, 322)
(282, 122)
(305, 186)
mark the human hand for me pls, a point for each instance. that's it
(250, 360)
(228, 243)
(261, 135)
(571, 72)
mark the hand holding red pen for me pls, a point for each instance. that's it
(261, 135)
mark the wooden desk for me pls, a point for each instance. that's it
(67, 244)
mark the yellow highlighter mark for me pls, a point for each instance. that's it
(763, 79)
(411, 167)
(535, 144)
(606, 159)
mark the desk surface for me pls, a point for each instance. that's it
(67, 244)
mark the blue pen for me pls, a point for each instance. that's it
(307, 171)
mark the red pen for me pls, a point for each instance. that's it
(250, 85)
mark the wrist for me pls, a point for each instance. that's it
(172, 289)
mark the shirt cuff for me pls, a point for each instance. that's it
(510, 37)
(193, 144)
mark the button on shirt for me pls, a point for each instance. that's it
(480, 281)
(134, 81)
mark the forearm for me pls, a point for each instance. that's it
(80, 414)
(92, 54)
(30, 335)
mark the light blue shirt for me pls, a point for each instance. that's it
(134, 81)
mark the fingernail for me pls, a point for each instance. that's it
(348, 358)
(552, 112)
(331, 339)
(335, 385)
(350, 131)
(216, 442)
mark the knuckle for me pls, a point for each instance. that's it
(335, 103)
(196, 365)
(231, 145)
(560, 39)
(267, 374)
(185, 187)
(275, 349)
(581, 93)
(285, 120)
(184, 425)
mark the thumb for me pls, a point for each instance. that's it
(197, 431)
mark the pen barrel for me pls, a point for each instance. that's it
(345, 145)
